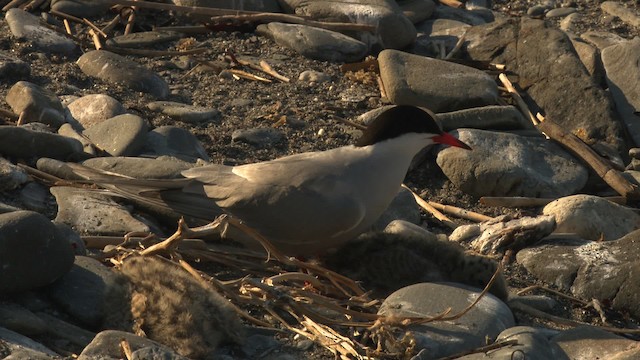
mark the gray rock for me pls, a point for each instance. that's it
(511, 165)
(486, 117)
(622, 77)
(403, 207)
(590, 57)
(26, 26)
(12, 66)
(442, 338)
(589, 269)
(176, 142)
(394, 30)
(118, 70)
(440, 26)
(587, 342)
(417, 10)
(615, 8)
(184, 112)
(81, 8)
(95, 108)
(540, 302)
(34, 197)
(11, 176)
(22, 347)
(409, 229)
(592, 217)
(436, 84)
(570, 23)
(602, 39)
(533, 344)
(92, 213)
(143, 39)
(313, 76)
(106, 346)
(560, 12)
(35, 104)
(537, 11)
(16, 318)
(77, 244)
(141, 168)
(260, 137)
(26, 144)
(32, 252)
(68, 131)
(462, 15)
(315, 43)
(82, 292)
(548, 67)
(121, 135)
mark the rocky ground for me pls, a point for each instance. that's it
(308, 116)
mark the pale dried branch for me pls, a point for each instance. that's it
(242, 15)
(126, 349)
(94, 27)
(288, 18)
(269, 70)
(457, 47)
(524, 108)
(245, 75)
(151, 53)
(459, 212)
(430, 209)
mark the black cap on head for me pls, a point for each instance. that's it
(397, 121)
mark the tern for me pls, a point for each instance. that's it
(307, 203)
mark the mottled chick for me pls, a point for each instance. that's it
(159, 299)
(392, 261)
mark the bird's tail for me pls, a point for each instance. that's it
(161, 196)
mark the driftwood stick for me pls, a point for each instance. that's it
(239, 15)
(269, 70)
(67, 26)
(94, 27)
(189, 29)
(13, 3)
(430, 209)
(576, 146)
(457, 47)
(517, 201)
(276, 17)
(459, 212)
(66, 16)
(151, 53)
(248, 76)
(518, 99)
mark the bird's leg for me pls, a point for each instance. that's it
(183, 232)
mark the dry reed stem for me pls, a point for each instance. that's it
(430, 209)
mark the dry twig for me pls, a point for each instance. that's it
(459, 212)
(432, 210)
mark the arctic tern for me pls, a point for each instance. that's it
(304, 204)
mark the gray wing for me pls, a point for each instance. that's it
(284, 197)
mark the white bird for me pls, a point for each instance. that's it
(308, 203)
